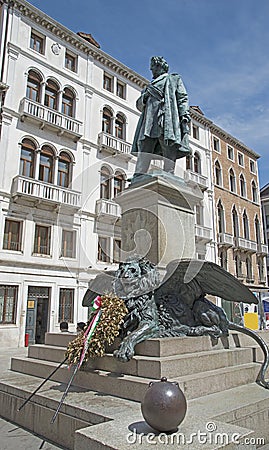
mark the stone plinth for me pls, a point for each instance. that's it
(158, 219)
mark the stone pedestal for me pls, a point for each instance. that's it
(158, 219)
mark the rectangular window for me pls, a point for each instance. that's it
(70, 61)
(37, 42)
(8, 303)
(66, 305)
(241, 159)
(267, 221)
(216, 144)
(42, 240)
(195, 131)
(116, 250)
(121, 89)
(12, 235)
(68, 249)
(230, 152)
(108, 82)
(199, 214)
(252, 166)
(103, 249)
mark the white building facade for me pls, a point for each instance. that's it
(68, 117)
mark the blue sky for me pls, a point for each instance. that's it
(220, 47)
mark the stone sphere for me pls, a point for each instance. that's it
(164, 405)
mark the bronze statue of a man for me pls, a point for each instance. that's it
(162, 130)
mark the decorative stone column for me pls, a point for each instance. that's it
(158, 218)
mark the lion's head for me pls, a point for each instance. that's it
(136, 276)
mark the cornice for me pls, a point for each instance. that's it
(200, 117)
(218, 131)
(49, 24)
(233, 141)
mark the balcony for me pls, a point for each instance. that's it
(225, 240)
(45, 116)
(196, 178)
(114, 145)
(203, 234)
(262, 249)
(245, 244)
(107, 210)
(38, 192)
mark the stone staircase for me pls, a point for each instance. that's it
(206, 370)
(199, 367)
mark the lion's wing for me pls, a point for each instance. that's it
(203, 277)
(101, 284)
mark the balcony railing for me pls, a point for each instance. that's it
(45, 115)
(203, 233)
(245, 244)
(23, 187)
(114, 144)
(225, 239)
(107, 208)
(262, 249)
(196, 178)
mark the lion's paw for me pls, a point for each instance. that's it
(125, 352)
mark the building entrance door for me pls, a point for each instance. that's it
(37, 314)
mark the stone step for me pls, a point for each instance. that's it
(133, 387)
(157, 347)
(152, 367)
(170, 346)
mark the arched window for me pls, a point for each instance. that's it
(119, 183)
(242, 186)
(51, 94)
(235, 223)
(27, 158)
(254, 192)
(64, 170)
(33, 86)
(257, 230)
(232, 181)
(249, 268)
(120, 126)
(68, 102)
(218, 174)
(188, 162)
(245, 225)
(238, 266)
(221, 223)
(105, 183)
(46, 164)
(107, 121)
(223, 259)
(196, 163)
(260, 269)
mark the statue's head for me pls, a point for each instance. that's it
(136, 276)
(158, 66)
